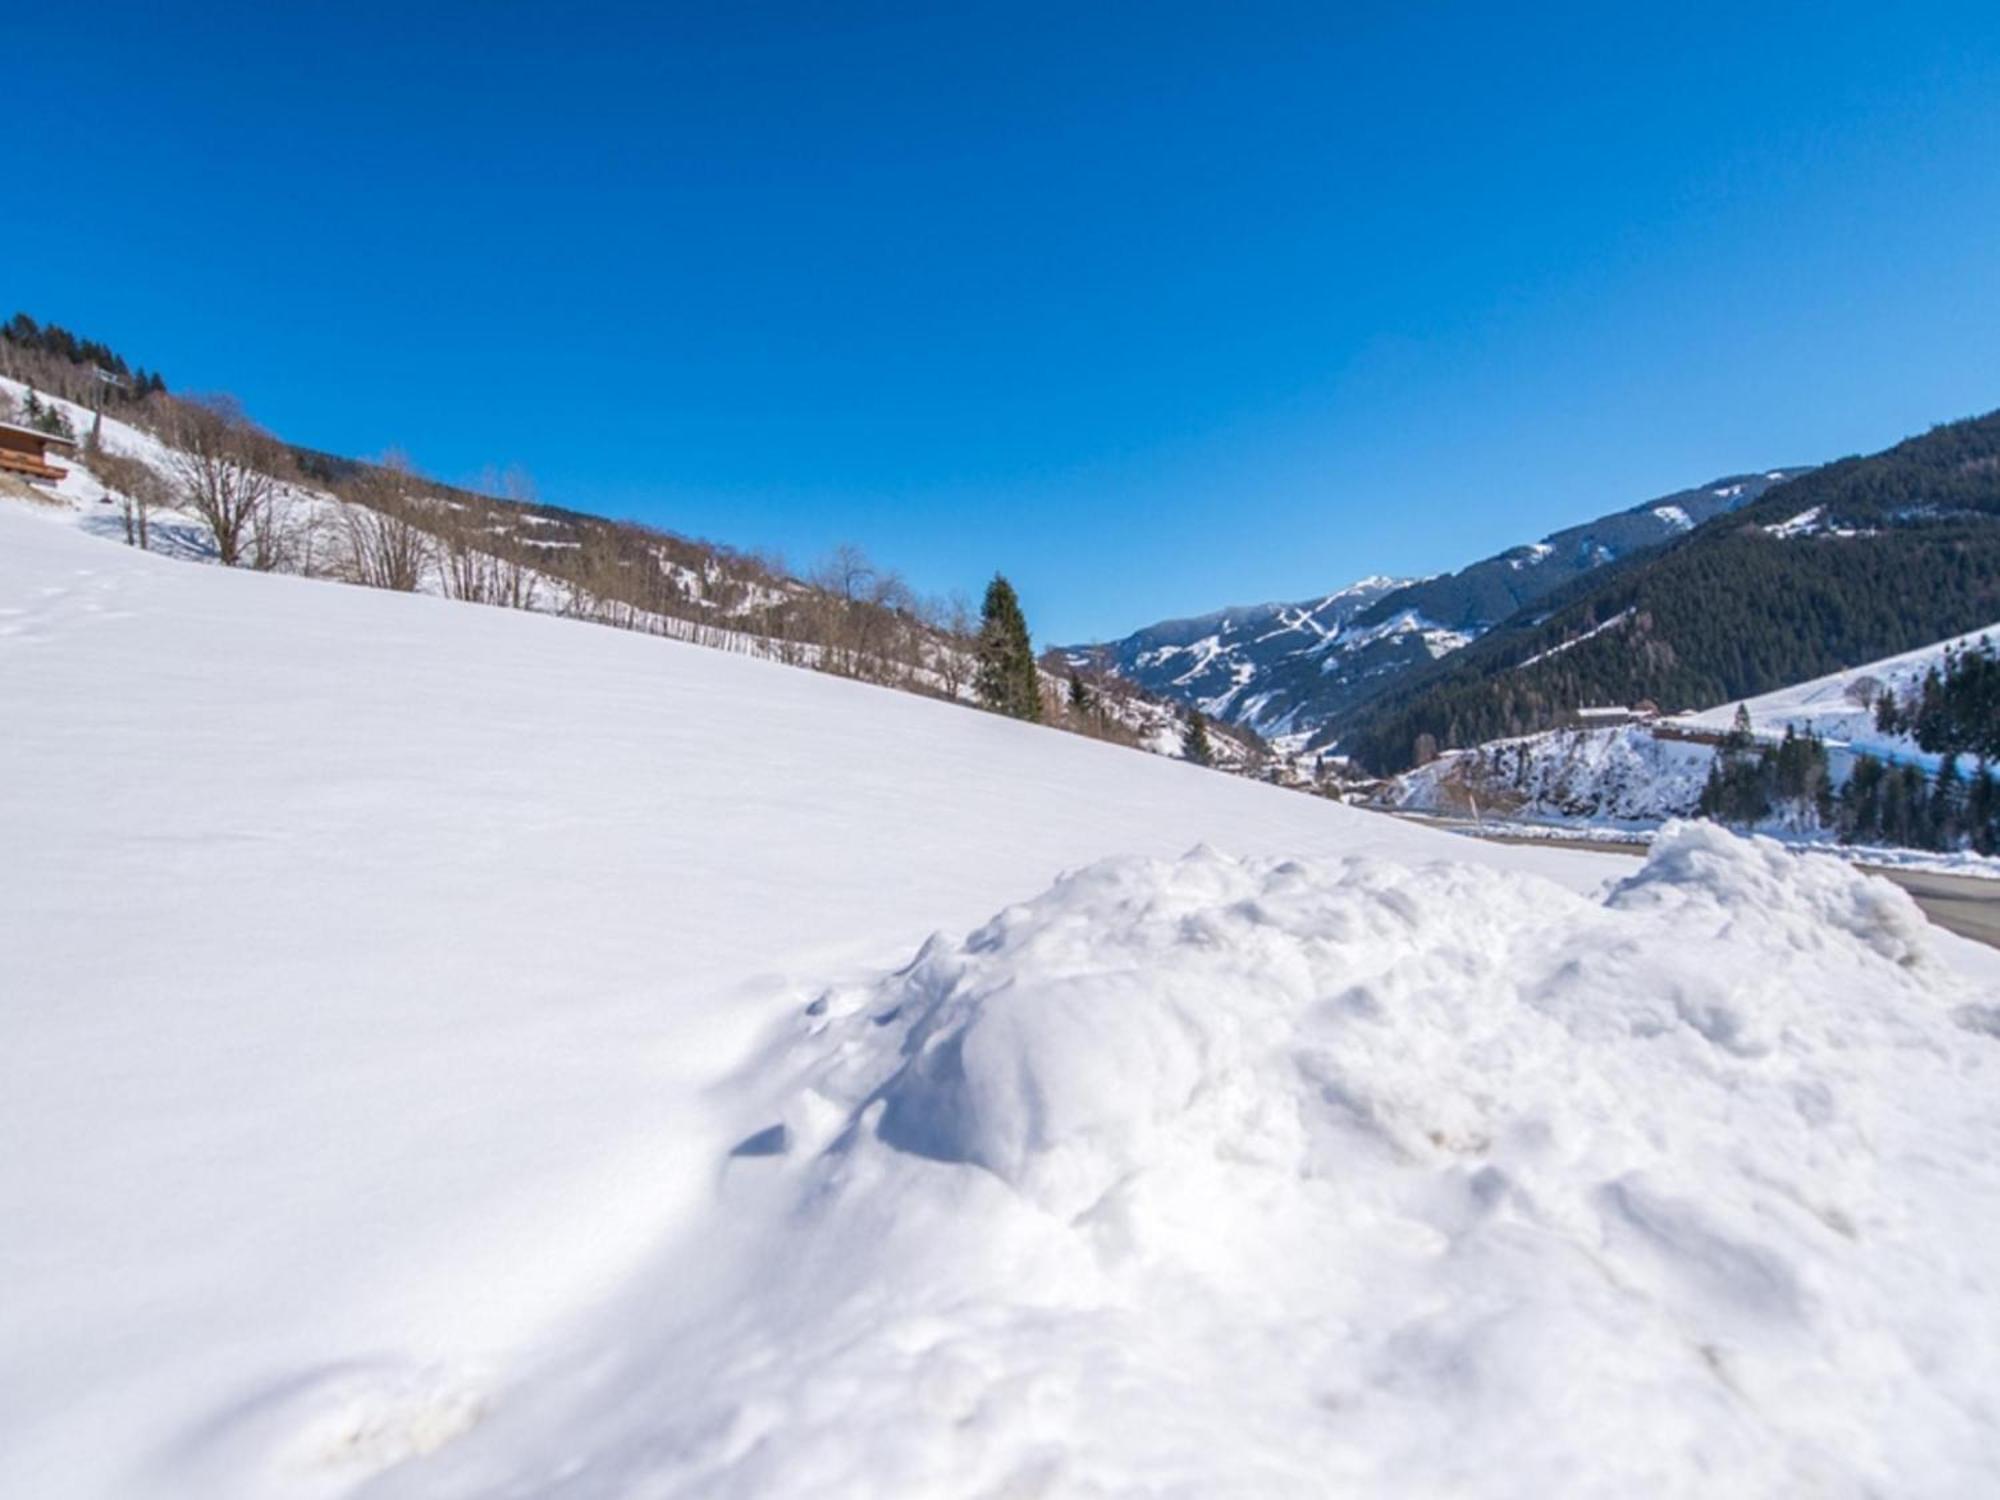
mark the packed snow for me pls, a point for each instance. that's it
(456, 1052)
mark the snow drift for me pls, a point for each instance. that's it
(1268, 1177)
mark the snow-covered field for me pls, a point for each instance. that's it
(1836, 707)
(457, 1052)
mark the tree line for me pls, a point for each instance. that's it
(50, 357)
(1955, 709)
(1790, 782)
(1748, 783)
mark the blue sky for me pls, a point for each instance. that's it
(1156, 308)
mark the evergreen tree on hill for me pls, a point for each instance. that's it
(1080, 700)
(1194, 739)
(1006, 680)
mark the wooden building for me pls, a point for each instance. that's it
(25, 451)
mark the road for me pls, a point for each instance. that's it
(1963, 904)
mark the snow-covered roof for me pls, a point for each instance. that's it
(36, 432)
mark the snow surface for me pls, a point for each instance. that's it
(457, 1052)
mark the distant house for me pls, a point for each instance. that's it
(1603, 717)
(1610, 716)
(25, 450)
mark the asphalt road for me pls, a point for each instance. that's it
(1962, 904)
(1957, 903)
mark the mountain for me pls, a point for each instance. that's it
(1860, 559)
(1282, 669)
(1250, 664)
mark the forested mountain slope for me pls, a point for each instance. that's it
(1860, 559)
(1282, 668)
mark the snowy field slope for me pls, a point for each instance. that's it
(449, 1056)
(1836, 707)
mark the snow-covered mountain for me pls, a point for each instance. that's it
(460, 1052)
(1285, 669)
(1242, 665)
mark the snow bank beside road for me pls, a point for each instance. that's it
(1268, 1177)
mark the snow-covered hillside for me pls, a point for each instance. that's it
(1838, 707)
(1619, 775)
(449, 1055)
(540, 558)
(1649, 772)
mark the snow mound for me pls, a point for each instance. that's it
(1809, 901)
(1267, 1177)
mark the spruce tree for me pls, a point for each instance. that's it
(1006, 680)
(1194, 739)
(1081, 702)
(1740, 736)
(1982, 809)
(1946, 798)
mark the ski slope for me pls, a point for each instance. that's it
(458, 1052)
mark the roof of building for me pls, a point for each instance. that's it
(47, 437)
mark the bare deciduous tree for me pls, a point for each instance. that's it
(381, 509)
(948, 621)
(858, 617)
(226, 468)
(139, 489)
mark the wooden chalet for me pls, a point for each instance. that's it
(25, 451)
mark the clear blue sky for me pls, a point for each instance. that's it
(1154, 307)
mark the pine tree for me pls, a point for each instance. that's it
(1194, 739)
(1982, 809)
(1006, 679)
(1081, 701)
(1740, 736)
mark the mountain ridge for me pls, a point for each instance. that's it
(1293, 668)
